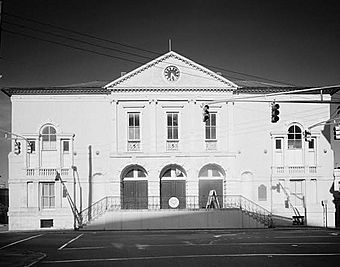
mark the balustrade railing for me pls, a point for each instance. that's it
(294, 170)
(111, 203)
(47, 171)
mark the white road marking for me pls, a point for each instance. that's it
(197, 256)
(69, 242)
(310, 236)
(118, 245)
(217, 236)
(43, 255)
(138, 246)
(212, 243)
(23, 240)
(84, 248)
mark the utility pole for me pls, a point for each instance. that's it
(1, 4)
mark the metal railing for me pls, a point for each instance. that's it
(249, 207)
(110, 203)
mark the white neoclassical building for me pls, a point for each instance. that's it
(134, 153)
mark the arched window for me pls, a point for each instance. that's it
(49, 138)
(135, 189)
(294, 137)
(262, 192)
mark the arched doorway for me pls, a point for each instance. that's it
(173, 188)
(210, 178)
(134, 188)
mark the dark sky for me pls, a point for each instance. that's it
(297, 42)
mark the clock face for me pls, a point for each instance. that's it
(171, 73)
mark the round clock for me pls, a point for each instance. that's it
(171, 73)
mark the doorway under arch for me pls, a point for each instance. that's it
(210, 177)
(173, 187)
(134, 189)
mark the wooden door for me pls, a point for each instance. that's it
(205, 185)
(173, 188)
(135, 194)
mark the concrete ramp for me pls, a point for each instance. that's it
(173, 219)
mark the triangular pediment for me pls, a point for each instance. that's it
(171, 71)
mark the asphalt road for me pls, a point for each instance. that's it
(264, 247)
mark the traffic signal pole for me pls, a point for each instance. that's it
(240, 99)
(16, 137)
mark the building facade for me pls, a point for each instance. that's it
(140, 143)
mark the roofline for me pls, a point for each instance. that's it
(255, 90)
(114, 84)
(9, 91)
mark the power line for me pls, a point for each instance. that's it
(71, 46)
(76, 40)
(91, 44)
(241, 73)
(91, 51)
(137, 48)
(79, 33)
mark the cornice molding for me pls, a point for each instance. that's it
(171, 89)
(55, 91)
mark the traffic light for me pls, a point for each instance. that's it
(275, 112)
(336, 131)
(308, 136)
(29, 147)
(205, 113)
(17, 147)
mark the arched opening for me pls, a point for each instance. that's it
(294, 137)
(49, 138)
(262, 193)
(210, 178)
(173, 188)
(134, 189)
(48, 146)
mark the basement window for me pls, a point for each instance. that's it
(46, 223)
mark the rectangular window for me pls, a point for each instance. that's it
(32, 144)
(210, 127)
(134, 126)
(47, 223)
(30, 194)
(311, 144)
(66, 146)
(172, 126)
(296, 192)
(278, 144)
(47, 195)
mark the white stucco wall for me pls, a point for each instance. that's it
(245, 145)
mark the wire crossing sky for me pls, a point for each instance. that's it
(293, 42)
